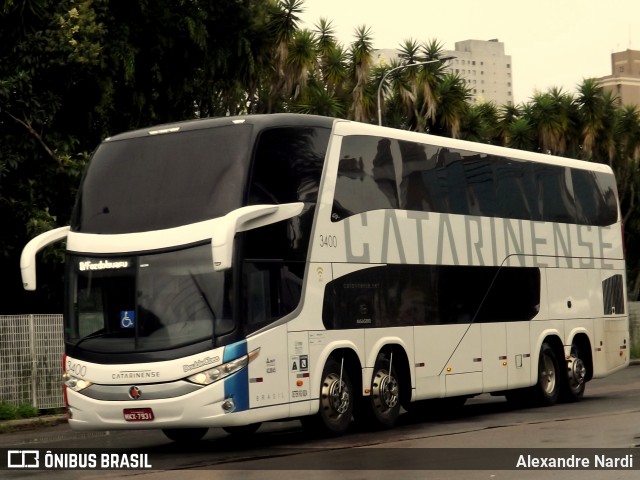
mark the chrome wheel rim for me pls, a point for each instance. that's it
(577, 373)
(335, 396)
(385, 391)
(548, 375)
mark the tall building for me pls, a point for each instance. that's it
(624, 80)
(485, 68)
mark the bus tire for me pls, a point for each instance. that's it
(547, 390)
(336, 402)
(185, 435)
(243, 430)
(575, 382)
(382, 407)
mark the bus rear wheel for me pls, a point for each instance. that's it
(382, 407)
(575, 383)
(185, 435)
(547, 390)
(336, 402)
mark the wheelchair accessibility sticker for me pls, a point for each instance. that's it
(127, 319)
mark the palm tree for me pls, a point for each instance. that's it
(591, 110)
(405, 83)
(332, 59)
(402, 97)
(507, 115)
(335, 69)
(300, 62)
(428, 80)
(283, 27)
(326, 42)
(521, 134)
(551, 113)
(317, 100)
(452, 96)
(606, 145)
(473, 127)
(361, 61)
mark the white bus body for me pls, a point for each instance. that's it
(322, 269)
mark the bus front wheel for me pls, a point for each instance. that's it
(336, 401)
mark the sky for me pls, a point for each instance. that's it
(552, 43)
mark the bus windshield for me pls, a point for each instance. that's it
(164, 176)
(146, 303)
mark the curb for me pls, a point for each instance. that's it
(10, 426)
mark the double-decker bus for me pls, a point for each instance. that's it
(230, 271)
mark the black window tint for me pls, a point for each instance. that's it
(456, 181)
(417, 192)
(554, 198)
(377, 173)
(366, 176)
(163, 181)
(481, 184)
(515, 191)
(607, 185)
(405, 295)
(595, 197)
(287, 167)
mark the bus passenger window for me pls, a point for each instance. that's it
(593, 198)
(367, 177)
(456, 180)
(555, 199)
(481, 185)
(514, 191)
(414, 191)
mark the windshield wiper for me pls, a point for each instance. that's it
(98, 334)
(206, 302)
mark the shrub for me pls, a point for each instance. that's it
(8, 411)
(27, 411)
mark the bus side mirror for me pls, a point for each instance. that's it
(243, 219)
(28, 257)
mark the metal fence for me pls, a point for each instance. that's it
(31, 348)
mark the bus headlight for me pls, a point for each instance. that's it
(74, 383)
(221, 371)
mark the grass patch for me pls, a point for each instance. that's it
(635, 352)
(9, 411)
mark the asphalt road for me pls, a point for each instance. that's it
(484, 439)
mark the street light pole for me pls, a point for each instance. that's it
(408, 65)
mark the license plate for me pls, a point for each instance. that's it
(138, 414)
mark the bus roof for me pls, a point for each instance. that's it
(355, 128)
(346, 127)
(261, 121)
